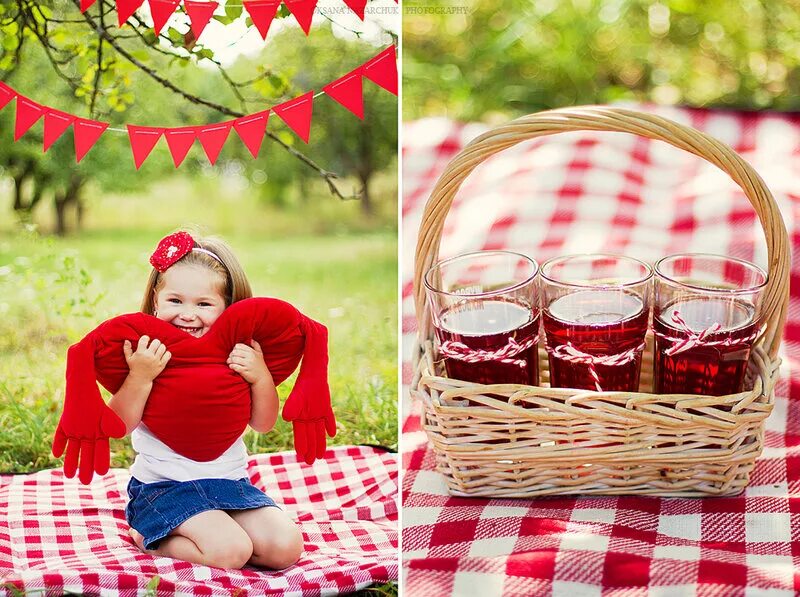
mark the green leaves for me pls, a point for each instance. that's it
(272, 85)
(287, 137)
(151, 590)
(204, 53)
(233, 12)
(521, 57)
(175, 36)
(44, 11)
(10, 43)
(119, 101)
(141, 55)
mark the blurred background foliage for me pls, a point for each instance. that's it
(52, 54)
(491, 60)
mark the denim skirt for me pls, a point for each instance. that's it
(156, 509)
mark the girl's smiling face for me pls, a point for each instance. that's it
(189, 298)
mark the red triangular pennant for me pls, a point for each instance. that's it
(28, 113)
(382, 69)
(262, 12)
(200, 14)
(212, 138)
(180, 142)
(297, 114)
(161, 11)
(125, 10)
(86, 4)
(143, 140)
(303, 11)
(357, 6)
(251, 130)
(86, 133)
(55, 123)
(348, 91)
(6, 95)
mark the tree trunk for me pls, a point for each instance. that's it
(62, 200)
(20, 177)
(38, 191)
(18, 180)
(367, 208)
(365, 170)
(79, 213)
(61, 222)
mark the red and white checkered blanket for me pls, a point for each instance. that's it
(591, 192)
(59, 536)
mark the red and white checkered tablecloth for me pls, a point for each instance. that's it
(610, 192)
(58, 536)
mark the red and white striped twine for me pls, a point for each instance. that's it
(693, 338)
(457, 350)
(568, 352)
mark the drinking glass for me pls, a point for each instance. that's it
(486, 316)
(595, 310)
(705, 320)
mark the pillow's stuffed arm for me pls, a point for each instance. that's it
(273, 322)
(86, 422)
(309, 404)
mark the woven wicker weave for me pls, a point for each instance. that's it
(552, 441)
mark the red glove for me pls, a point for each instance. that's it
(309, 404)
(86, 423)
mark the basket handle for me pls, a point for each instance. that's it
(602, 118)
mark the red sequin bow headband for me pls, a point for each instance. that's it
(172, 248)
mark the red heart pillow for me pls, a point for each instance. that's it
(198, 406)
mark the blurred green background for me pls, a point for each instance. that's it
(75, 239)
(491, 61)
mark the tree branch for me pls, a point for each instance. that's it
(30, 22)
(99, 70)
(234, 86)
(329, 177)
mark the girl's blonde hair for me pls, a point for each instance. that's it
(235, 286)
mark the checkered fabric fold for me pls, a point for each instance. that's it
(607, 192)
(60, 536)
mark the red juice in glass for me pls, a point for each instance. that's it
(596, 337)
(490, 341)
(695, 353)
(485, 312)
(705, 321)
(596, 311)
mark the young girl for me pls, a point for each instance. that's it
(203, 512)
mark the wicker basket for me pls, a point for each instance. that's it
(554, 441)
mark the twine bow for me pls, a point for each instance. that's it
(460, 351)
(693, 338)
(568, 352)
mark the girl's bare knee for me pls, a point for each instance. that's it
(288, 550)
(280, 550)
(229, 552)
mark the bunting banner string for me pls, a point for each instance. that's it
(200, 12)
(347, 90)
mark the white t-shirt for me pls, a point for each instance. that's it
(155, 461)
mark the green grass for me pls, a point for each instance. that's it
(54, 290)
